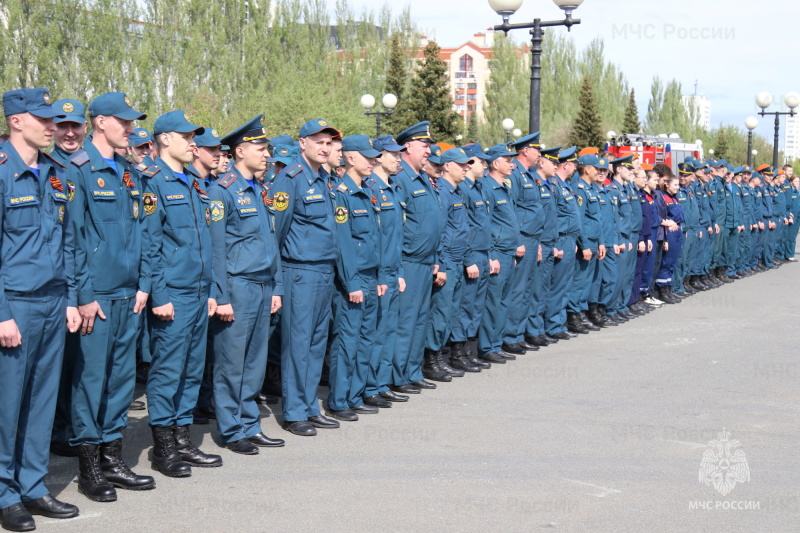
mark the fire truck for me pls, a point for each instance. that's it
(654, 149)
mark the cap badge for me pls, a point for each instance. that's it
(68, 107)
(214, 133)
(46, 98)
(322, 123)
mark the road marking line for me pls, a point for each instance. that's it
(692, 444)
(604, 491)
(69, 520)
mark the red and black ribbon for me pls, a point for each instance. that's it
(126, 179)
(197, 188)
(56, 184)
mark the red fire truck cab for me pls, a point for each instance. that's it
(652, 149)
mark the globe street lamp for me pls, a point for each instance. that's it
(764, 100)
(508, 125)
(517, 133)
(750, 123)
(754, 152)
(506, 8)
(389, 101)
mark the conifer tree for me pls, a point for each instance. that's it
(396, 81)
(630, 123)
(587, 130)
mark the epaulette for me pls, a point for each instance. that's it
(141, 167)
(294, 170)
(80, 159)
(342, 187)
(370, 181)
(152, 171)
(580, 185)
(3, 158)
(48, 156)
(227, 180)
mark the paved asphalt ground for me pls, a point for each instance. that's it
(605, 432)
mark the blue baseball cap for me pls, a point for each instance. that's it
(497, 151)
(455, 155)
(593, 160)
(567, 155)
(386, 143)
(361, 144)
(37, 102)
(436, 154)
(73, 109)
(114, 105)
(285, 153)
(251, 131)
(176, 121)
(318, 125)
(280, 140)
(208, 138)
(139, 137)
(421, 131)
(475, 150)
(528, 141)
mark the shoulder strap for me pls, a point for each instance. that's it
(80, 159)
(227, 180)
(294, 170)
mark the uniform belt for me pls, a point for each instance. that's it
(44, 292)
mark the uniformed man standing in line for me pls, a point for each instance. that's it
(106, 211)
(421, 231)
(68, 139)
(306, 234)
(691, 229)
(355, 314)
(140, 148)
(38, 290)
(176, 265)
(624, 193)
(385, 188)
(248, 288)
(530, 214)
(464, 353)
(505, 250)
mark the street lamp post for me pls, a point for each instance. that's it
(764, 100)
(506, 8)
(389, 101)
(508, 125)
(754, 152)
(750, 123)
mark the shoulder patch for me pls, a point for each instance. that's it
(141, 167)
(294, 170)
(3, 158)
(80, 159)
(152, 171)
(342, 187)
(48, 156)
(227, 180)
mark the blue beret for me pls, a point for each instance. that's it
(361, 144)
(420, 131)
(567, 155)
(497, 151)
(176, 121)
(285, 153)
(436, 154)
(529, 141)
(208, 138)
(34, 101)
(455, 155)
(73, 109)
(250, 132)
(386, 143)
(318, 125)
(139, 137)
(475, 150)
(114, 105)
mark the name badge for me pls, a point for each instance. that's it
(358, 212)
(313, 198)
(419, 192)
(104, 195)
(59, 196)
(22, 200)
(247, 211)
(387, 205)
(172, 199)
(500, 202)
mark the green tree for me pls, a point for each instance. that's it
(472, 130)
(507, 93)
(630, 123)
(587, 129)
(430, 99)
(397, 81)
(721, 149)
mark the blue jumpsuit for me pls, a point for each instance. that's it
(36, 286)
(669, 259)
(106, 210)
(247, 274)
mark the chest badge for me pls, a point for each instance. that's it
(61, 210)
(101, 182)
(135, 209)
(208, 216)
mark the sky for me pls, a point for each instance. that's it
(732, 49)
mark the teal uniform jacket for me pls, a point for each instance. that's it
(567, 211)
(550, 226)
(733, 206)
(422, 216)
(242, 235)
(618, 195)
(38, 240)
(505, 227)
(691, 211)
(357, 232)
(391, 227)
(479, 218)
(455, 235)
(704, 212)
(177, 256)
(589, 209)
(61, 156)
(304, 215)
(636, 210)
(106, 210)
(527, 201)
(610, 234)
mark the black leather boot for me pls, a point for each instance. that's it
(443, 357)
(91, 480)
(17, 518)
(430, 367)
(586, 322)
(574, 324)
(165, 455)
(471, 349)
(117, 472)
(190, 453)
(458, 358)
(596, 318)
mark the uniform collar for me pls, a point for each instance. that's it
(18, 166)
(96, 161)
(169, 174)
(196, 173)
(444, 184)
(352, 188)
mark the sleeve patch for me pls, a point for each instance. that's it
(217, 210)
(150, 202)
